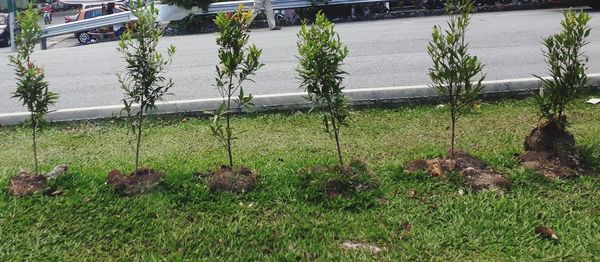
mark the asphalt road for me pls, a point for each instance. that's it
(382, 53)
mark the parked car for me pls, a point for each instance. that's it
(87, 12)
(4, 31)
(75, 16)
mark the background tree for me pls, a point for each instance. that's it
(566, 63)
(454, 70)
(32, 89)
(144, 82)
(237, 63)
(321, 55)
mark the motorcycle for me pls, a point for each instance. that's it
(47, 17)
(286, 18)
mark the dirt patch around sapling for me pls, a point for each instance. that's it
(227, 179)
(141, 181)
(552, 153)
(353, 184)
(25, 183)
(479, 175)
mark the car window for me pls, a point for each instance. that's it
(92, 13)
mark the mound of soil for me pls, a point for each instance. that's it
(226, 179)
(25, 184)
(142, 180)
(480, 177)
(547, 136)
(552, 152)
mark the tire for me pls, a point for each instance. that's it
(84, 37)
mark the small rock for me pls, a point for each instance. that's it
(436, 170)
(57, 171)
(55, 193)
(351, 245)
(469, 171)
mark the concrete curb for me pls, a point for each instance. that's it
(273, 102)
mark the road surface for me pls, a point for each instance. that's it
(383, 53)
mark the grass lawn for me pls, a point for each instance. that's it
(422, 218)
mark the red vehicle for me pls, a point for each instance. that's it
(47, 11)
(48, 8)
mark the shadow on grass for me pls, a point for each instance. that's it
(352, 187)
(591, 153)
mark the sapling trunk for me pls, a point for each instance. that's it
(453, 135)
(33, 133)
(229, 154)
(336, 133)
(139, 136)
(228, 123)
(453, 119)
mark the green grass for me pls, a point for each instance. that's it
(184, 220)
